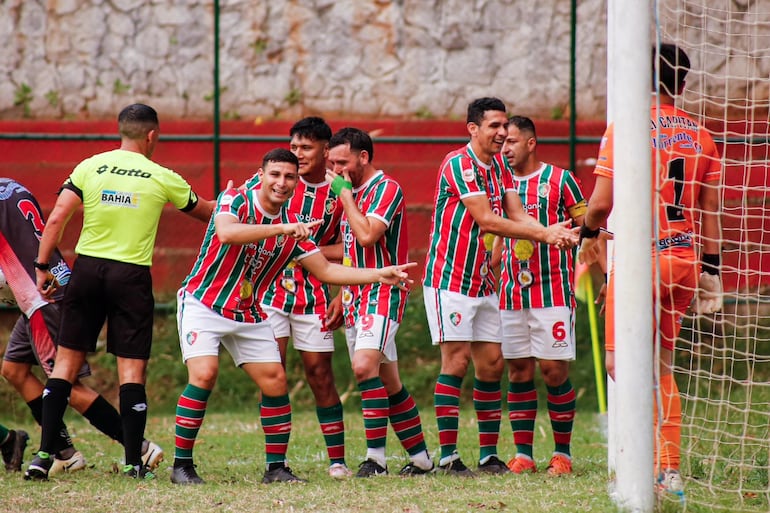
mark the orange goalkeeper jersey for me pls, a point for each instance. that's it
(684, 157)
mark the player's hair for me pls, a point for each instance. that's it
(356, 138)
(135, 121)
(672, 68)
(524, 124)
(479, 106)
(279, 155)
(313, 128)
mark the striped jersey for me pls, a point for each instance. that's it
(458, 259)
(230, 279)
(684, 157)
(381, 198)
(21, 227)
(535, 274)
(296, 290)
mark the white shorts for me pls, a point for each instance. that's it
(455, 317)
(543, 333)
(202, 330)
(373, 331)
(307, 331)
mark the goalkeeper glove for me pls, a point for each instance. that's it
(709, 297)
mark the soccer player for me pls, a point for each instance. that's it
(537, 304)
(250, 240)
(459, 291)
(32, 340)
(297, 304)
(686, 175)
(123, 193)
(374, 233)
(14, 441)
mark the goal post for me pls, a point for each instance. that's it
(629, 59)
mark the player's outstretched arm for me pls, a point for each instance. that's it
(558, 234)
(335, 274)
(231, 231)
(519, 228)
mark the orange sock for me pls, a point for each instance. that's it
(668, 445)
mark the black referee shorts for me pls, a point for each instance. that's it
(120, 293)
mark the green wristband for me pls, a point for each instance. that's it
(340, 183)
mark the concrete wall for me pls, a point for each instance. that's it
(78, 59)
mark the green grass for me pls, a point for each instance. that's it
(230, 450)
(230, 457)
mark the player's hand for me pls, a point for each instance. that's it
(333, 318)
(561, 235)
(592, 249)
(301, 231)
(339, 182)
(708, 300)
(46, 284)
(601, 299)
(589, 251)
(397, 276)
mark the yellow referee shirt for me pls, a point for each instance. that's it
(123, 194)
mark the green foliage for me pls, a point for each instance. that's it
(293, 97)
(557, 113)
(210, 96)
(259, 45)
(53, 98)
(424, 113)
(22, 96)
(231, 115)
(119, 87)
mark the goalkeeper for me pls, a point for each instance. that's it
(687, 166)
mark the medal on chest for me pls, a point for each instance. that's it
(523, 251)
(288, 282)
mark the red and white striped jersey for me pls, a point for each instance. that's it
(458, 259)
(230, 279)
(535, 274)
(380, 197)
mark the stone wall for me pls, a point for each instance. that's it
(285, 58)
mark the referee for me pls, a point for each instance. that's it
(123, 193)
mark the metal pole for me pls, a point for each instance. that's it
(216, 99)
(572, 85)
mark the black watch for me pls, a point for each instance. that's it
(42, 267)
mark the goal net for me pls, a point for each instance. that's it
(722, 363)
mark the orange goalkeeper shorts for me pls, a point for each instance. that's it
(678, 283)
